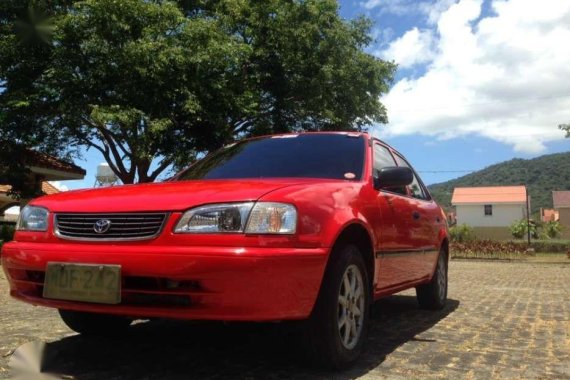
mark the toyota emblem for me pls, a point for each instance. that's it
(101, 226)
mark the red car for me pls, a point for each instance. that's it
(311, 226)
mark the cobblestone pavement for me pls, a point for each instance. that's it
(503, 320)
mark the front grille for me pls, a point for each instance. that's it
(132, 226)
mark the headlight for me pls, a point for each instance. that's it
(272, 218)
(224, 217)
(248, 217)
(32, 219)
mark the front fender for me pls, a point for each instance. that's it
(323, 210)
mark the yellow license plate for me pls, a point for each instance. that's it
(83, 282)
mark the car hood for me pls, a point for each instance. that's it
(165, 196)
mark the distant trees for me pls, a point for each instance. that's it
(151, 84)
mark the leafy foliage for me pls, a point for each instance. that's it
(24, 57)
(538, 230)
(542, 175)
(7, 232)
(462, 233)
(152, 84)
(488, 246)
(520, 228)
(494, 249)
(549, 246)
(552, 229)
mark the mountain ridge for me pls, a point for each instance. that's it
(542, 175)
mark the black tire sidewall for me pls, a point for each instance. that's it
(324, 318)
(428, 295)
(442, 259)
(93, 323)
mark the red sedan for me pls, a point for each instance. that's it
(311, 227)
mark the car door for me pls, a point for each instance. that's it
(395, 229)
(426, 219)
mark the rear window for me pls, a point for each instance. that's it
(335, 156)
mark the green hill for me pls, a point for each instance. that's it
(541, 175)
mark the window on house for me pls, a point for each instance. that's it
(488, 210)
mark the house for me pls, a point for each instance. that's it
(561, 201)
(549, 215)
(8, 202)
(490, 210)
(43, 168)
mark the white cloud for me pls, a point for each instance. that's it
(414, 47)
(502, 76)
(58, 185)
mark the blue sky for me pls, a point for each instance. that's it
(479, 81)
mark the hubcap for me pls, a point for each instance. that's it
(442, 278)
(351, 300)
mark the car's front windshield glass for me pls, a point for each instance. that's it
(336, 156)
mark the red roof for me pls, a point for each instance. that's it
(561, 199)
(47, 188)
(42, 160)
(492, 194)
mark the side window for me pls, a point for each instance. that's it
(488, 210)
(383, 159)
(416, 188)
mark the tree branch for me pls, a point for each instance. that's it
(163, 165)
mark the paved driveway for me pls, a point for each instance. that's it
(504, 320)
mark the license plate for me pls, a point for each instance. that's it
(83, 282)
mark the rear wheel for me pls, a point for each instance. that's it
(94, 324)
(433, 295)
(339, 322)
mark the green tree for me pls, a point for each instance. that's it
(153, 84)
(25, 32)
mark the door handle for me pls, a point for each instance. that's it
(415, 215)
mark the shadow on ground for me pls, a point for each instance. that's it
(184, 350)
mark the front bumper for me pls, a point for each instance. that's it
(212, 283)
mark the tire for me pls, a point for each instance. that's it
(336, 330)
(433, 295)
(94, 324)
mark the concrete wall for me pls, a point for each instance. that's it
(564, 216)
(503, 215)
(565, 221)
(493, 233)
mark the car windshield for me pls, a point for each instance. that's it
(335, 156)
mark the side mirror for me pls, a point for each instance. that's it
(393, 176)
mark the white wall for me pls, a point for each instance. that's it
(503, 215)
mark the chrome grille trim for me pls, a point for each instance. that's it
(124, 226)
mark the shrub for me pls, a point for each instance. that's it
(520, 227)
(462, 233)
(7, 232)
(489, 247)
(552, 229)
(550, 246)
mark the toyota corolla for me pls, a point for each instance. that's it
(310, 227)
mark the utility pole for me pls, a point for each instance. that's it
(527, 215)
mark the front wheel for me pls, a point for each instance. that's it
(94, 324)
(337, 327)
(433, 295)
